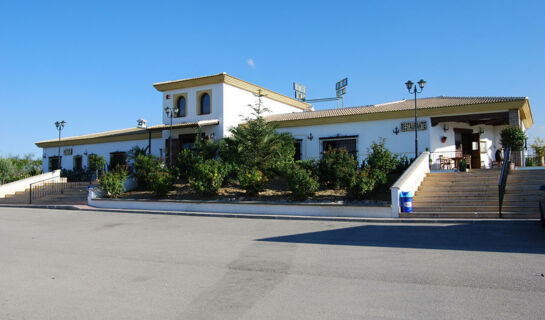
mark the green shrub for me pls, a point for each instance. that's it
(300, 181)
(160, 181)
(336, 168)
(362, 184)
(112, 183)
(380, 158)
(252, 180)
(143, 165)
(513, 137)
(185, 163)
(309, 165)
(207, 177)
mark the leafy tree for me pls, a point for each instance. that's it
(7, 170)
(136, 151)
(97, 164)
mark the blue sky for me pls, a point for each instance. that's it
(93, 63)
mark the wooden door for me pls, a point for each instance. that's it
(475, 151)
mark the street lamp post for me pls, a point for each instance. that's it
(60, 126)
(170, 111)
(409, 85)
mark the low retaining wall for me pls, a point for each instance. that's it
(250, 207)
(22, 185)
(410, 180)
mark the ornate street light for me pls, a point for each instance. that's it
(409, 85)
(60, 126)
(170, 111)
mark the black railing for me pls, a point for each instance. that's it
(53, 185)
(503, 178)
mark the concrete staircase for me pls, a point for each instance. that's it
(475, 195)
(73, 193)
(19, 197)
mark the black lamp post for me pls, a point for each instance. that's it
(60, 126)
(170, 111)
(409, 85)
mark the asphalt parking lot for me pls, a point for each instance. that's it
(62, 264)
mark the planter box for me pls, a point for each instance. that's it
(249, 207)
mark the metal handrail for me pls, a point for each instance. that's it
(43, 188)
(503, 178)
(46, 187)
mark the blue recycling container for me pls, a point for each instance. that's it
(406, 201)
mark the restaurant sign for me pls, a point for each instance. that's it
(409, 126)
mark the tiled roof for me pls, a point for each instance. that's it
(402, 105)
(119, 134)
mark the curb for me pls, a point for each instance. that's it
(275, 217)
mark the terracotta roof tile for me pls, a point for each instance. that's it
(423, 103)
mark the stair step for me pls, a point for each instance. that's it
(518, 204)
(465, 215)
(461, 208)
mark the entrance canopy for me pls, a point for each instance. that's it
(491, 119)
(197, 124)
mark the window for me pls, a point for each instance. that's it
(117, 159)
(298, 145)
(182, 107)
(54, 163)
(346, 143)
(204, 104)
(78, 163)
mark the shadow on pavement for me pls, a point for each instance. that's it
(519, 237)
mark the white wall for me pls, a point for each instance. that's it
(236, 107)
(101, 149)
(192, 102)
(367, 132)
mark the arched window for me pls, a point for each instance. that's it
(205, 104)
(182, 107)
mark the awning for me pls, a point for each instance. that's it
(197, 124)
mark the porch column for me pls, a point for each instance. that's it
(514, 120)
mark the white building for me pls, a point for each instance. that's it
(449, 127)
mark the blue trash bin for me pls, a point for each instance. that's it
(406, 201)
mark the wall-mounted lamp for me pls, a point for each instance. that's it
(396, 131)
(445, 127)
(44, 156)
(481, 131)
(310, 136)
(85, 153)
